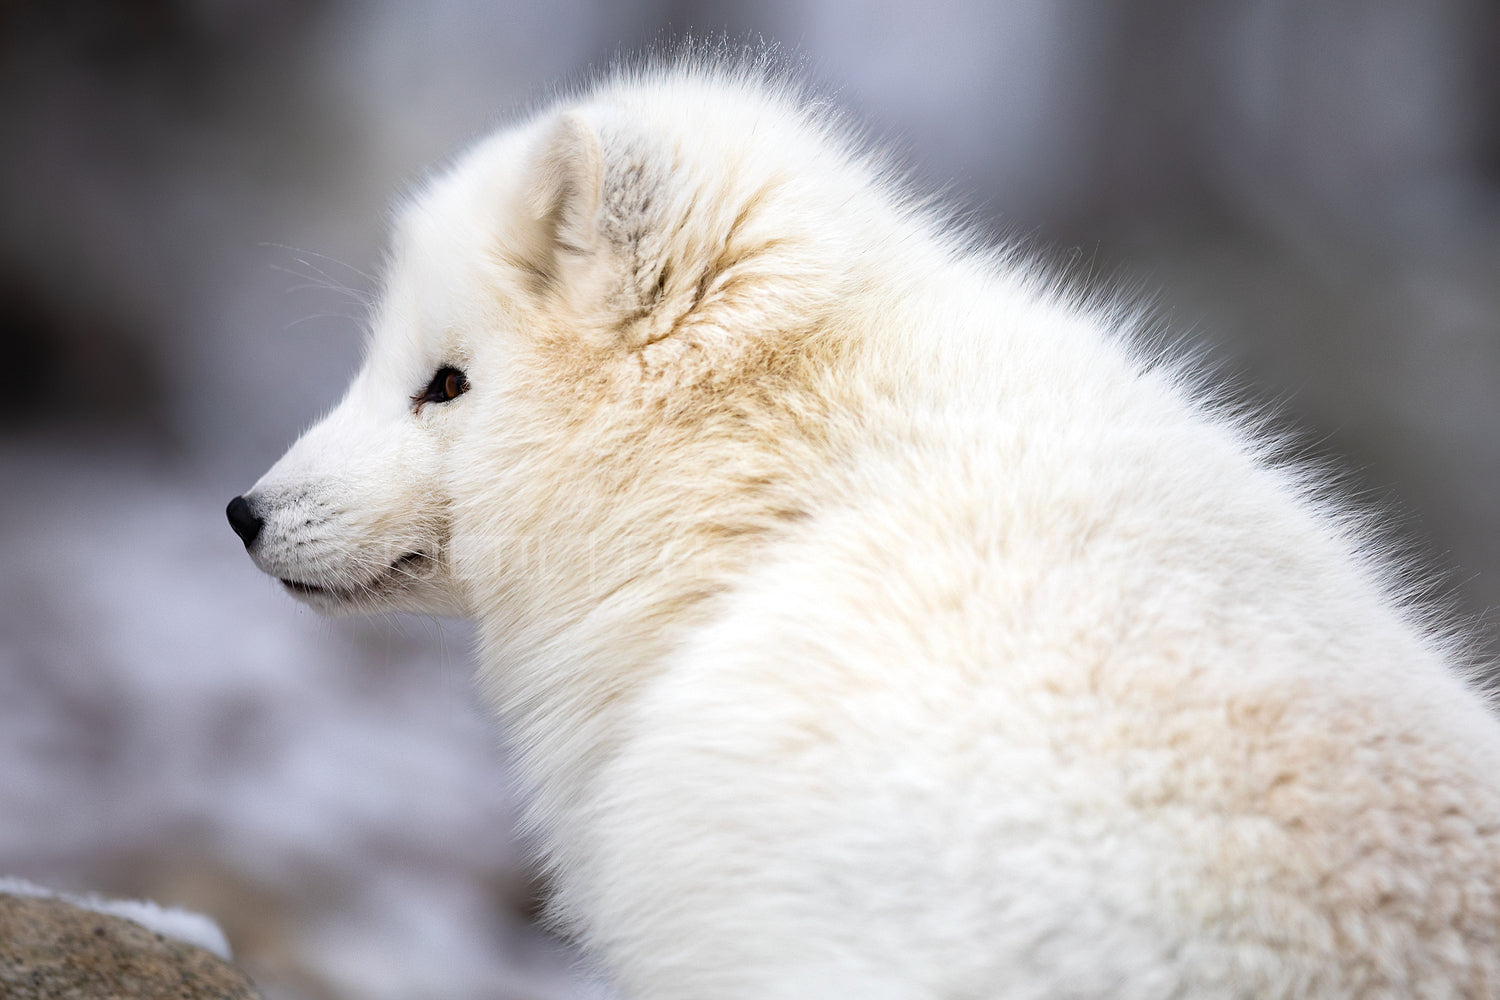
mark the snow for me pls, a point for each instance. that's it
(171, 921)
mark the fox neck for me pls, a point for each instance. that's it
(585, 615)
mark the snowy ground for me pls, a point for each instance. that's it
(171, 726)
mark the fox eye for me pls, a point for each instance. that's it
(448, 383)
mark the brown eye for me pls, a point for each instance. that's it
(447, 384)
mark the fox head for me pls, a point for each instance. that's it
(593, 358)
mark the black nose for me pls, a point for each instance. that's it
(243, 520)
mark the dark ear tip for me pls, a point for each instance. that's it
(243, 519)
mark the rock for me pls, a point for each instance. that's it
(51, 949)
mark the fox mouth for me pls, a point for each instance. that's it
(398, 574)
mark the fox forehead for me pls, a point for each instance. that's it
(442, 283)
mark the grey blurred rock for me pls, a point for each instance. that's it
(53, 950)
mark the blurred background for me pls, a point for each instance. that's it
(193, 200)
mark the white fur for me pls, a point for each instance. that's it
(872, 619)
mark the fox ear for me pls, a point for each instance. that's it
(595, 196)
(566, 183)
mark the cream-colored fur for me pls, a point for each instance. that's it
(870, 618)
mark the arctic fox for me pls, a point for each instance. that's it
(872, 618)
